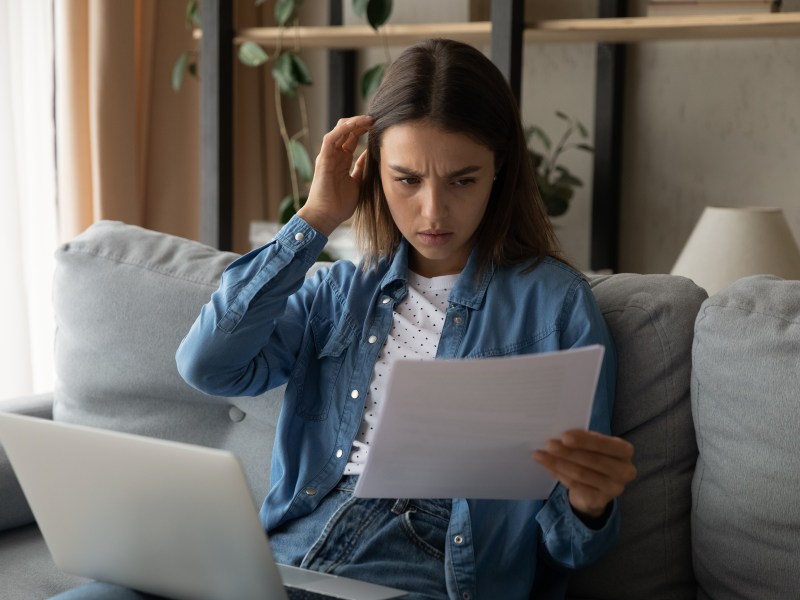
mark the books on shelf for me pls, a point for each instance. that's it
(711, 7)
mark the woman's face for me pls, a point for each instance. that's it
(437, 185)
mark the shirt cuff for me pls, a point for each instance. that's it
(569, 541)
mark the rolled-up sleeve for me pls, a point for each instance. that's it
(243, 342)
(569, 542)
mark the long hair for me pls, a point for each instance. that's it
(454, 87)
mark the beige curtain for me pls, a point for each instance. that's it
(127, 145)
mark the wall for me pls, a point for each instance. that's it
(706, 123)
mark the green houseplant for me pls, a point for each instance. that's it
(556, 182)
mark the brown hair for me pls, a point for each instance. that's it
(453, 86)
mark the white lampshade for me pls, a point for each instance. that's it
(730, 243)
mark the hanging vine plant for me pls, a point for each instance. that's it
(291, 75)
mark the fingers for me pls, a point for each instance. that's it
(594, 467)
(346, 134)
(358, 168)
(597, 442)
(333, 195)
(590, 457)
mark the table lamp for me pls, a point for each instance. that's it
(730, 243)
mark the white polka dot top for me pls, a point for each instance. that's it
(417, 325)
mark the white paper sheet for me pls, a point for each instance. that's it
(467, 428)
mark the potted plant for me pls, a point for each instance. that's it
(556, 182)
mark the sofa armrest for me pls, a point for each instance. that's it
(16, 511)
(38, 405)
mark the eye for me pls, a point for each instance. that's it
(408, 180)
(464, 182)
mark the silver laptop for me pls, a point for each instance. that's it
(170, 519)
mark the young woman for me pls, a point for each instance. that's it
(460, 262)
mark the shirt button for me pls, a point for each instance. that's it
(458, 540)
(299, 236)
(354, 394)
(458, 320)
(466, 596)
(311, 491)
(339, 453)
(385, 300)
(372, 339)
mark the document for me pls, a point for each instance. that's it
(468, 428)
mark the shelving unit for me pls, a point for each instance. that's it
(610, 30)
(507, 33)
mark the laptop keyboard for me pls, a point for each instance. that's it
(298, 594)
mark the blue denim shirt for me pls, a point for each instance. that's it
(267, 325)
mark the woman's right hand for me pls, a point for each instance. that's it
(333, 196)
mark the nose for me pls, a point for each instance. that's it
(433, 203)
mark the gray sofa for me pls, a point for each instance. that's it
(720, 374)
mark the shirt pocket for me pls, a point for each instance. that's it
(316, 381)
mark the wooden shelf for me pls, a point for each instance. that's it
(625, 30)
(349, 37)
(644, 29)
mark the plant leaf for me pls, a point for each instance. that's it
(283, 75)
(360, 7)
(252, 54)
(566, 178)
(540, 133)
(371, 80)
(290, 72)
(286, 209)
(178, 71)
(192, 15)
(300, 160)
(302, 74)
(285, 11)
(536, 159)
(556, 199)
(582, 128)
(585, 147)
(563, 116)
(378, 12)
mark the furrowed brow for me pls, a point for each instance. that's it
(405, 171)
(457, 173)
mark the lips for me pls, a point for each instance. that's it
(435, 237)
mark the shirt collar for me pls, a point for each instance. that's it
(470, 289)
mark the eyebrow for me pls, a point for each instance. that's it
(457, 173)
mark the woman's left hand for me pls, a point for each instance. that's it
(595, 468)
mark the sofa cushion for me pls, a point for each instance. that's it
(124, 297)
(26, 569)
(746, 405)
(651, 318)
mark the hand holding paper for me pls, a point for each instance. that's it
(468, 428)
(594, 467)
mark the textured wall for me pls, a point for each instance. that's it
(707, 123)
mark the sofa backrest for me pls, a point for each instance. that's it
(124, 297)
(651, 318)
(746, 403)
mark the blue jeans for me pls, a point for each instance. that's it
(399, 543)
